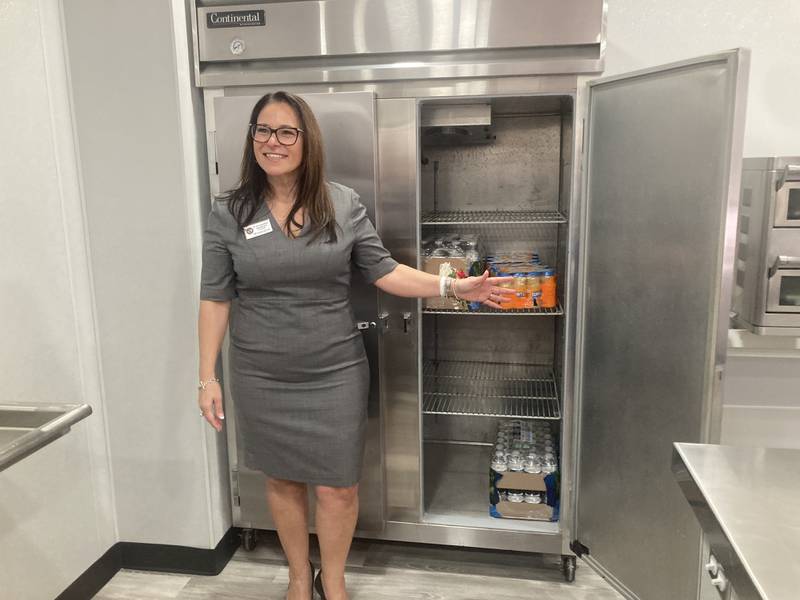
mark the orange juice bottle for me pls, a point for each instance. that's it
(548, 299)
(534, 289)
(518, 300)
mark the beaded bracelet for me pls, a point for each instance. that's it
(203, 384)
(453, 288)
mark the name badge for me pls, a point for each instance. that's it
(257, 229)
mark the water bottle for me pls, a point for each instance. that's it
(499, 463)
(533, 498)
(549, 465)
(515, 496)
(533, 464)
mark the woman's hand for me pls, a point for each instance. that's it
(483, 289)
(210, 401)
(411, 283)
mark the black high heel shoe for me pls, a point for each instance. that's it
(310, 566)
(318, 585)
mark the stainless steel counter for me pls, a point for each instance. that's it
(25, 428)
(743, 343)
(748, 503)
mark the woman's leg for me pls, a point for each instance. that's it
(288, 502)
(337, 511)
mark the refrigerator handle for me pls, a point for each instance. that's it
(784, 262)
(789, 172)
(406, 321)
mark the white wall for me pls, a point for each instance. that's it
(762, 401)
(56, 506)
(133, 114)
(644, 33)
(101, 206)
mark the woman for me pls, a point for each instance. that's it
(282, 243)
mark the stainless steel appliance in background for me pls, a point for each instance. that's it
(767, 294)
(468, 117)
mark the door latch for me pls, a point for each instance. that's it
(784, 262)
(366, 325)
(384, 319)
(406, 321)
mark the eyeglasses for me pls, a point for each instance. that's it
(286, 136)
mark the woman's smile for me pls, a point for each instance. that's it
(279, 161)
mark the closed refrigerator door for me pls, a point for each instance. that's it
(662, 163)
(348, 124)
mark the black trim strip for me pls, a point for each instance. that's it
(95, 577)
(179, 559)
(152, 557)
(578, 548)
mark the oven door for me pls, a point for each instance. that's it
(787, 198)
(783, 290)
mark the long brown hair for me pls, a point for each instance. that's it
(311, 192)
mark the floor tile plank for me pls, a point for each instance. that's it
(376, 570)
(143, 584)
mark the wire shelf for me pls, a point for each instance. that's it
(489, 389)
(500, 408)
(484, 310)
(491, 217)
(485, 371)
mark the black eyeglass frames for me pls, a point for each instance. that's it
(286, 136)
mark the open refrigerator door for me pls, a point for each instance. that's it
(661, 172)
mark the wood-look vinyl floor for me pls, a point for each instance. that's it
(376, 571)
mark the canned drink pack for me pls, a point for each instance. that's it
(534, 285)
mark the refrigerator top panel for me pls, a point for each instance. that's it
(327, 41)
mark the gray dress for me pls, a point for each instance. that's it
(299, 373)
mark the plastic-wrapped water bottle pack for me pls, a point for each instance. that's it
(523, 445)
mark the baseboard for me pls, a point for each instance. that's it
(152, 557)
(180, 559)
(95, 577)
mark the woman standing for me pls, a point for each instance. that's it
(282, 244)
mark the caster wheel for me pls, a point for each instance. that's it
(568, 568)
(249, 539)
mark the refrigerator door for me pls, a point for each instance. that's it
(662, 165)
(348, 124)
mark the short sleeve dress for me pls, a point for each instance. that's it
(299, 372)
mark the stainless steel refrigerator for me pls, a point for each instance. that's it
(452, 116)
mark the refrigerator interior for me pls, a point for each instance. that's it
(506, 181)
